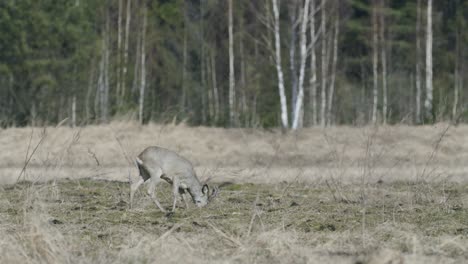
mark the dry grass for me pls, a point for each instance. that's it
(341, 195)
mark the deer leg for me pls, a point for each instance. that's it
(175, 192)
(183, 195)
(133, 188)
(155, 179)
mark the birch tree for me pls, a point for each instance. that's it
(334, 65)
(232, 92)
(279, 70)
(126, 42)
(103, 81)
(374, 62)
(313, 67)
(203, 60)
(119, 50)
(383, 52)
(418, 62)
(324, 64)
(184, 60)
(458, 76)
(215, 85)
(141, 100)
(429, 90)
(303, 46)
(294, 18)
(73, 121)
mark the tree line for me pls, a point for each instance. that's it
(265, 63)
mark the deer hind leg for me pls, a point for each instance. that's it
(154, 181)
(133, 188)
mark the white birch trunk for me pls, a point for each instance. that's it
(125, 61)
(106, 70)
(232, 92)
(136, 68)
(313, 67)
(143, 67)
(208, 90)
(73, 123)
(456, 75)
(202, 65)
(333, 74)
(418, 63)
(103, 81)
(184, 64)
(293, 6)
(279, 70)
(374, 63)
(243, 81)
(303, 46)
(101, 89)
(384, 61)
(215, 86)
(90, 90)
(324, 65)
(119, 51)
(429, 90)
(33, 114)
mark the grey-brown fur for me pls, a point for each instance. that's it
(156, 164)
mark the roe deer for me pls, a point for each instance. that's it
(156, 164)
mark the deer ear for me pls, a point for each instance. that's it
(205, 189)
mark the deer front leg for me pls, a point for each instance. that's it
(175, 192)
(184, 199)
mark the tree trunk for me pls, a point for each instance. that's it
(101, 89)
(103, 81)
(33, 114)
(184, 63)
(202, 65)
(125, 61)
(203, 85)
(119, 51)
(324, 65)
(374, 62)
(106, 70)
(208, 90)
(90, 90)
(456, 75)
(418, 63)
(303, 46)
(243, 82)
(334, 63)
(136, 68)
(143, 66)
(293, 6)
(232, 92)
(279, 70)
(73, 121)
(313, 67)
(215, 86)
(384, 61)
(429, 90)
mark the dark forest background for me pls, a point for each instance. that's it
(96, 61)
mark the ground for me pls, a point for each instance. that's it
(342, 195)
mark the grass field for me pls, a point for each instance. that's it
(342, 195)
